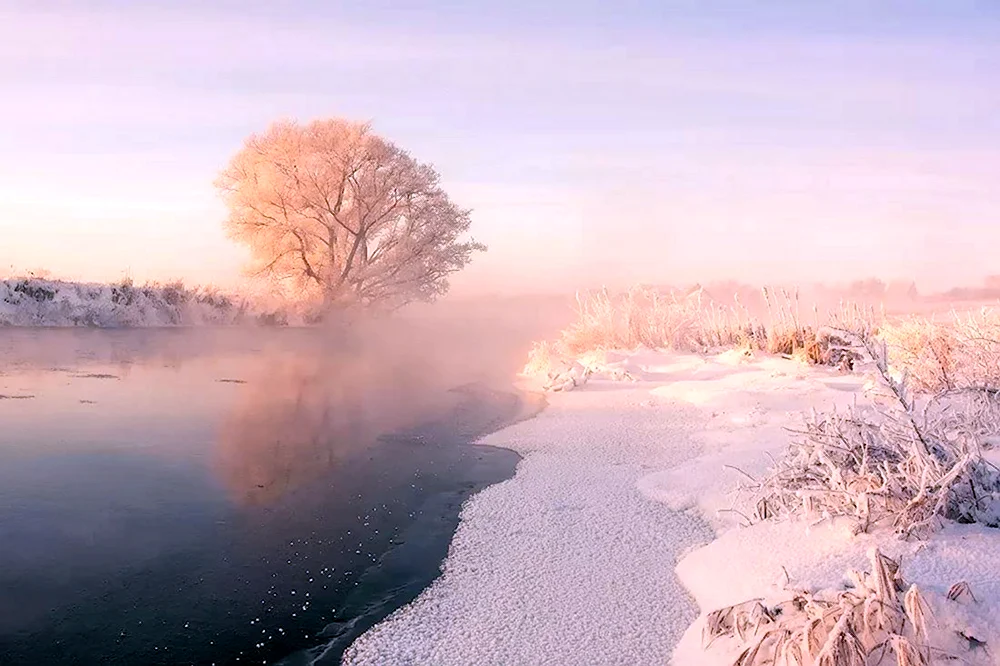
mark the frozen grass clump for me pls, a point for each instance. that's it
(878, 620)
(543, 358)
(659, 319)
(639, 317)
(906, 462)
(961, 353)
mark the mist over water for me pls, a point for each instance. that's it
(198, 495)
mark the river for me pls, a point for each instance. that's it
(218, 497)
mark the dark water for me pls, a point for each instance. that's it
(245, 501)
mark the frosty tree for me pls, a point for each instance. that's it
(338, 212)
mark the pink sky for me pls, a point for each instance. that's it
(649, 146)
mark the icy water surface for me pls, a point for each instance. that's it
(195, 498)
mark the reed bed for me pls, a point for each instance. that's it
(659, 319)
(692, 322)
(957, 352)
(962, 351)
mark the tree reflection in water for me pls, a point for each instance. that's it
(300, 416)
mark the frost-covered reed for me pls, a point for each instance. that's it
(959, 352)
(877, 620)
(689, 321)
(692, 322)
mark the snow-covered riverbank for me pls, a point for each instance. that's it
(35, 302)
(592, 552)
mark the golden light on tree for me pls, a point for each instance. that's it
(336, 212)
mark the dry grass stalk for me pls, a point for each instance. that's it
(918, 612)
(961, 591)
(906, 653)
(741, 620)
(863, 626)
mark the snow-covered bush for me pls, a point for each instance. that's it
(543, 358)
(905, 461)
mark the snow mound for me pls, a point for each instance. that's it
(748, 410)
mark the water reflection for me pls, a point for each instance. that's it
(300, 416)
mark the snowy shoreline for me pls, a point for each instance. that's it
(620, 531)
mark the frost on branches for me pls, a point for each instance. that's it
(331, 211)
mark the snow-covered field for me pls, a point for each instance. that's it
(621, 530)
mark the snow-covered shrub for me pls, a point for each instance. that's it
(36, 292)
(904, 461)
(274, 318)
(926, 350)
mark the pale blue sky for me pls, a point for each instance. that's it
(594, 141)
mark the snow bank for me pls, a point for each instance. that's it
(589, 554)
(749, 407)
(37, 302)
(567, 562)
